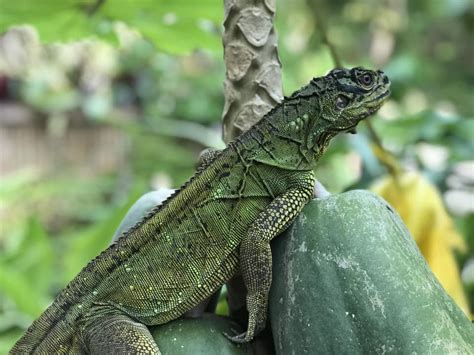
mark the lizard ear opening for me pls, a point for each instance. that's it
(342, 102)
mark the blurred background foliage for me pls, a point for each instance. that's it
(102, 101)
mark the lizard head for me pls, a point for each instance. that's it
(352, 95)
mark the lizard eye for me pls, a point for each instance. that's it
(342, 101)
(366, 79)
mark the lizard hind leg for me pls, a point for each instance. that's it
(110, 331)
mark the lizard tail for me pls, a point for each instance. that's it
(50, 331)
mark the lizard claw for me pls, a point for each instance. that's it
(240, 338)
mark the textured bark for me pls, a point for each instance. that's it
(253, 70)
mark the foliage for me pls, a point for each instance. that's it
(174, 20)
(168, 107)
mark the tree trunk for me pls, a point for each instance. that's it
(253, 70)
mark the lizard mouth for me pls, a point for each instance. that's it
(379, 100)
(372, 107)
(375, 104)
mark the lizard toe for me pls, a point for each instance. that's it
(240, 338)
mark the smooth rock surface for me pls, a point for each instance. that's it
(349, 279)
(199, 336)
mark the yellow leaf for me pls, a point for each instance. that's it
(421, 208)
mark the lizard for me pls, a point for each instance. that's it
(216, 225)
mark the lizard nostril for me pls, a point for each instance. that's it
(385, 79)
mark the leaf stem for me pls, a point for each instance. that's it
(390, 164)
(91, 10)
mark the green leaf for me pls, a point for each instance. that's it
(89, 242)
(173, 26)
(16, 285)
(54, 20)
(152, 10)
(32, 258)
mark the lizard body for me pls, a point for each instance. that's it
(217, 224)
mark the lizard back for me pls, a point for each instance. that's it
(183, 244)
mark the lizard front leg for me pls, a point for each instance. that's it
(256, 257)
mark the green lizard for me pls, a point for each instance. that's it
(217, 224)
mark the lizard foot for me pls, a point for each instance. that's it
(240, 338)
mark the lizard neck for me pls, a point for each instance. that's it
(294, 134)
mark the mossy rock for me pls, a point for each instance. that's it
(349, 279)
